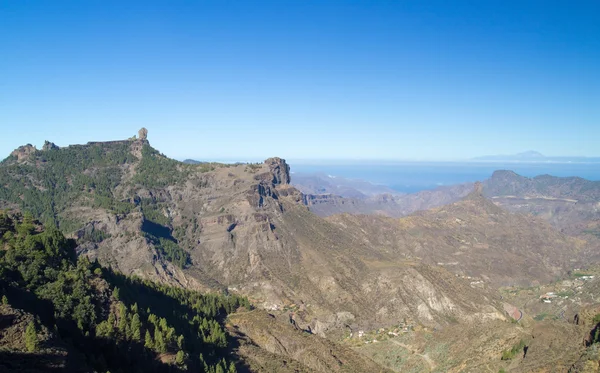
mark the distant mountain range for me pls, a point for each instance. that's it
(533, 156)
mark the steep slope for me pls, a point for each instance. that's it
(52, 353)
(60, 313)
(237, 227)
(243, 229)
(274, 342)
(474, 238)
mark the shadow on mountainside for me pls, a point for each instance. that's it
(29, 363)
(157, 230)
(82, 350)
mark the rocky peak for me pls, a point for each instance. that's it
(476, 193)
(279, 169)
(143, 134)
(23, 152)
(506, 176)
(49, 146)
(478, 188)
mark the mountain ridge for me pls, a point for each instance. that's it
(243, 229)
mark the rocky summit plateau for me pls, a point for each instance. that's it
(272, 279)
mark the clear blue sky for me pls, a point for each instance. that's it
(304, 79)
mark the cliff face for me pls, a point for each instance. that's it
(238, 227)
(279, 169)
(244, 229)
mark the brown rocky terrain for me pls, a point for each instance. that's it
(270, 344)
(244, 229)
(247, 230)
(569, 204)
(476, 239)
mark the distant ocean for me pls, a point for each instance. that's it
(410, 177)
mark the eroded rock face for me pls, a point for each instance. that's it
(23, 152)
(143, 134)
(279, 169)
(49, 146)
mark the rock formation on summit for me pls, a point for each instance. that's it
(49, 146)
(143, 133)
(280, 170)
(23, 152)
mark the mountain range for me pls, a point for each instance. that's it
(427, 270)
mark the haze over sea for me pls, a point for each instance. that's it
(411, 177)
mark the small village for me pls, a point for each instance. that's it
(568, 288)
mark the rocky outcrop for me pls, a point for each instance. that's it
(143, 134)
(279, 169)
(49, 146)
(23, 152)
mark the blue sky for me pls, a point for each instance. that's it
(304, 79)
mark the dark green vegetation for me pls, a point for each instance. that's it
(156, 170)
(51, 181)
(54, 178)
(156, 229)
(117, 323)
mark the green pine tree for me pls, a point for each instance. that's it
(148, 340)
(136, 325)
(116, 293)
(104, 329)
(159, 341)
(31, 338)
(4, 299)
(123, 323)
(179, 358)
(232, 368)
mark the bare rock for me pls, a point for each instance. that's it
(279, 169)
(23, 152)
(49, 146)
(143, 134)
